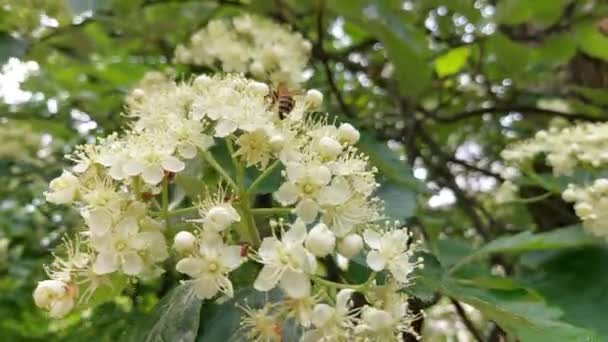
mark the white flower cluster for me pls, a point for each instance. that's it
(591, 205)
(564, 147)
(252, 45)
(327, 188)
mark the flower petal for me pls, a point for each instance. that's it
(287, 194)
(153, 174)
(295, 284)
(132, 167)
(307, 210)
(172, 164)
(231, 256)
(105, 263)
(190, 266)
(372, 238)
(268, 278)
(132, 263)
(375, 261)
(99, 221)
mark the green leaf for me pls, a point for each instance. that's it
(399, 203)
(567, 237)
(576, 282)
(519, 311)
(175, 318)
(452, 61)
(397, 184)
(10, 47)
(591, 40)
(546, 12)
(389, 164)
(405, 44)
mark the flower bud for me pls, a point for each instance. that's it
(350, 245)
(601, 185)
(55, 296)
(202, 81)
(184, 241)
(348, 134)
(257, 68)
(259, 88)
(220, 217)
(320, 240)
(329, 147)
(277, 142)
(63, 189)
(584, 210)
(314, 98)
(138, 93)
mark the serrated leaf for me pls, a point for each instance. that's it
(175, 318)
(519, 311)
(567, 237)
(576, 282)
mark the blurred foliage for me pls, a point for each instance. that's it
(448, 84)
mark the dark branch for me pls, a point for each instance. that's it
(525, 110)
(467, 322)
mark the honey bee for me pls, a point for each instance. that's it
(283, 100)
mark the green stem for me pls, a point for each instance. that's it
(215, 165)
(271, 211)
(356, 287)
(165, 201)
(547, 186)
(533, 199)
(263, 176)
(182, 211)
(249, 223)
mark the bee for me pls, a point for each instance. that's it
(283, 100)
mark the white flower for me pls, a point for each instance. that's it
(55, 296)
(249, 44)
(122, 246)
(209, 269)
(329, 148)
(314, 98)
(350, 245)
(332, 323)
(286, 262)
(63, 189)
(387, 323)
(184, 242)
(220, 217)
(347, 134)
(507, 192)
(320, 240)
(304, 181)
(390, 251)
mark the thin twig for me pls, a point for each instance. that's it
(525, 110)
(467, 322)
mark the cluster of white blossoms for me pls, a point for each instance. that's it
(591, 205)
(251, 45)
(325, 203)
(565, 149)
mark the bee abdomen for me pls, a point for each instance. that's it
(286, 104)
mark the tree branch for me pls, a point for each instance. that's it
(526, 110)
(467, 322)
